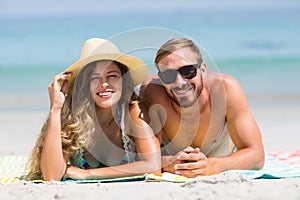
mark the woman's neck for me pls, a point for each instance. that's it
(106, 116)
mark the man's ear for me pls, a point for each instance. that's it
(203, 68)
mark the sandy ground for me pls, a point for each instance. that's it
(280, 131)
(215, 187)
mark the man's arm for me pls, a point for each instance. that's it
(243, 130)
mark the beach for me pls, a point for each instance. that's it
(279, 127)
(227, 190)
(258, 45)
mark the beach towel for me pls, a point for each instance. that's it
(290, 157)
(278, 164)
(12, 170)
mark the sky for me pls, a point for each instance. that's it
(12, 8)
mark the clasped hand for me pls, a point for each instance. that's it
(191, 162)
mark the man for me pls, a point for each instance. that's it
(201, 118)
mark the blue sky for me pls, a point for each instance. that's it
(69, 7)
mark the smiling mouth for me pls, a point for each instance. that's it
(182, 92)
(105, 94)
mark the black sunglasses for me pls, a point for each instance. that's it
(187, 72)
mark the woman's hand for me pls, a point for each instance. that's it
(75, 173)
(57, 92)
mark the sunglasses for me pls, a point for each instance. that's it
(187, 72)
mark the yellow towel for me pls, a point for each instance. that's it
(167, 177)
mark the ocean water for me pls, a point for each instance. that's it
(261, 48)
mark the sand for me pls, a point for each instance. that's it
(280, 130)
(215, 187)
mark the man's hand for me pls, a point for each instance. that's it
(192, 163)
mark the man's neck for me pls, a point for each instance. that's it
(202, 103)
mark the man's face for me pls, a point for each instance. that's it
(186, 87)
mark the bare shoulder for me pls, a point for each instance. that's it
(138, 121)
(232, 85)
(215, 79)
(139, 113)
(221, 83)
(235, 96)
(151, 89)
(229, 80)
(151, 79)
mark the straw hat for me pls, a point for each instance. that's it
(96, 49)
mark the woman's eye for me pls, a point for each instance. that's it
(113, 76)
(95, 78)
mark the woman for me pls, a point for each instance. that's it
(96, 128)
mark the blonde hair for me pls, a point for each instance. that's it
(78, 118)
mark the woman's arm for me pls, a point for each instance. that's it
(148, 150)
(53, 163)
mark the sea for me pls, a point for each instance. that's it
(260, 48)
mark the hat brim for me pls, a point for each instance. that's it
(137, 68)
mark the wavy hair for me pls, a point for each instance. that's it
(78, 118)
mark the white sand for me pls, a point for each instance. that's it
(280, 130)
(279, 126)
(218, 187)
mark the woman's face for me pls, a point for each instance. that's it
(106, 84)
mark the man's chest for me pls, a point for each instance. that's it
(181, 132)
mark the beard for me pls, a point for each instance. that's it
(188, 100)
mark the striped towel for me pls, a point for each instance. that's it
(290, 157)
(274, 169)
(12, 168)
(278, 164)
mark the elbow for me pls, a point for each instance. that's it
(155, 170)
(156, 167)
(51, 177)
(51, 174)
(260, 161)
